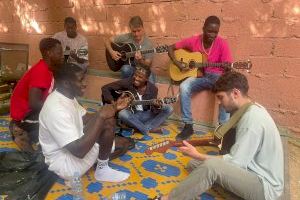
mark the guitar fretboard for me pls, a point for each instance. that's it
(142, 102)
(200, 65)
(131, 54)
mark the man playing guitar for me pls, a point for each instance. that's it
(216, 50)
(145, 118)
(138, 37)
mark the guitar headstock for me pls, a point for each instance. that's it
(242, 65)
(169, 100)
(161, 147)
(161, 49)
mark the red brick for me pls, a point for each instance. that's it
(95, 42)
(118, 13)
(95, 13)
(287, 47)
(200, 10)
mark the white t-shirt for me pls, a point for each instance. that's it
(139, 107)
(258, 149)
(60, 124)
(79, 43)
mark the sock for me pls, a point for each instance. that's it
(105, 173)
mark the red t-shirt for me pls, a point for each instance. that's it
(38, 76)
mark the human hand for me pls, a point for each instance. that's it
(138, 56)
(123, 102)
(73, 54)
(158, 102)
(191, 151)
(115, 55)
(107, 111)
(182, 65)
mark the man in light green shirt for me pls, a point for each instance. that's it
(254, 167)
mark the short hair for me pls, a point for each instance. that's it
(70, 20)
(47, 44)
(143, 68)
(136, 21)
(67, 72)
(231, 80)
(212, 20)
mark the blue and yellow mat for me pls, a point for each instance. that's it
(150, 175)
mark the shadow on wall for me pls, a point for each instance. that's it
(165, 22)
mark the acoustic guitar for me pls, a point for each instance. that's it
(225, 144)
(195, 60)
(149, 102)
(127, 51)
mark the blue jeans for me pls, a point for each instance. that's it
(128, 70)
(192, 85)
(145, 120)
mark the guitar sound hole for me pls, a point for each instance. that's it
(192, 64)
(123, 56)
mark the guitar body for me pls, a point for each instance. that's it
(182, 55)
(123, 48)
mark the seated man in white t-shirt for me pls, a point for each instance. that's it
(73, 140)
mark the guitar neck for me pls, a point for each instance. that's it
(131, 54)
(202, 141)
(201, 65)
(142, 102)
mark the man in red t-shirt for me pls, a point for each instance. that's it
(33, 88)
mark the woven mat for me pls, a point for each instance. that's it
(149, 175)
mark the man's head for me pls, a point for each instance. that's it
(52, 52)
(137, 28)
(211, 28)
(231, 90)
(141, 75)
(70, 80)
(70, 27)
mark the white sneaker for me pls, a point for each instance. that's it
(108, 174)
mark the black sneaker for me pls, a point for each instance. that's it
(186, 132)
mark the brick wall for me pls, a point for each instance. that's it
(265, 31)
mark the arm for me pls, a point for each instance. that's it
(192, 152)
(114, 54)
(109, 89)
(171, 54)
(93, 127)
(35, 99)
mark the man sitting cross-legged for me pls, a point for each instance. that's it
(143, 118)
(71, 139)
(253, 169)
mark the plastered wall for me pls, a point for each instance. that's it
(265, 31)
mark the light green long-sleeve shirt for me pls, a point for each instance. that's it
(258, 148)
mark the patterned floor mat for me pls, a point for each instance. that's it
(149, 175)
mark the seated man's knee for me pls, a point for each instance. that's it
(168, 109)
(185, 88)
(124, 114)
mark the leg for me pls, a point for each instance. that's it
(187, 88)
(135, 120)
(103, 171)
(152, 78)
(121, 147)
(159, 118)
(127, 71)
(224, 173)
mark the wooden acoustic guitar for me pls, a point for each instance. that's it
(195, 60)
(227, 142)
(127, 51)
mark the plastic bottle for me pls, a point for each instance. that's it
(118, 196)
(77, 187)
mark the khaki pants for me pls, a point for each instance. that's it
(203, 175)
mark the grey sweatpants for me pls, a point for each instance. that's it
(204, 174)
